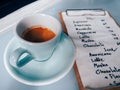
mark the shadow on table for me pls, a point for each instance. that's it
(14, 85)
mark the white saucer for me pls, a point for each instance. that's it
(48, 71)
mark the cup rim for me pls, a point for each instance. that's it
(36, 43)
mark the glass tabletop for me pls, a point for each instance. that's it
(69, 82)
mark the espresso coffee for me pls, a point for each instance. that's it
(38, 34)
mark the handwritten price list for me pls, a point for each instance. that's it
(102, 42)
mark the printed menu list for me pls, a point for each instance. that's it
(97, 39)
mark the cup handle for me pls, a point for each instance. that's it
(17, 59)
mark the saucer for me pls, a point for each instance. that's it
(43, 73)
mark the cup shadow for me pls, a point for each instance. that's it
(14, 85)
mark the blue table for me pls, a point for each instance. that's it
(69, 82)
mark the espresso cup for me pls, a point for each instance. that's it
(33, 43)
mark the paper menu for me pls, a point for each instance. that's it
(97, 39)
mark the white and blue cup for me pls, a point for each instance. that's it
(40, 51)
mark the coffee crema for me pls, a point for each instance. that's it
(38, 34)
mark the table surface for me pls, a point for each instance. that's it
(69, 82)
